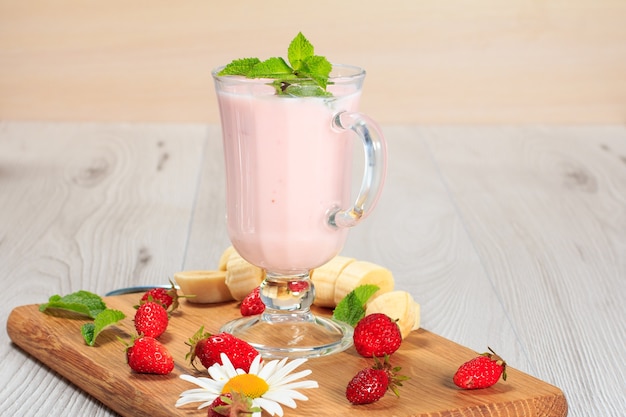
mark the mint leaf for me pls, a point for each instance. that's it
(304, 89)
(271, 68)
(352, 308)
(305, 66)
(299, 50)
(82, 302)
(317, 68)
(240, 67)
(104, 319)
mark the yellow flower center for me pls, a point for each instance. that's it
(248, 384)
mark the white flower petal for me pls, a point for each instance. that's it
(228, 366)
(194, 398)
(284, 369)
(297, 385)
(218, 372)
(272, 407)
(267, 369)
(286, 393)
(208, 391)
(289, 378)
(282, 398)
(256, 365)
(201, 382)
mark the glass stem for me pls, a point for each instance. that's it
(287, 297)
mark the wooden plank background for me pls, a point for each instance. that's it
(513, 237)
(428, 61)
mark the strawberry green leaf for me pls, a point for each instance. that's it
(82, 302)
(351, 308)
(104, 319)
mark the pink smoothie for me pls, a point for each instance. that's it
(286, 169)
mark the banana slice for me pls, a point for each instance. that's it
(324, 279)
(398, 305)
(241, 276)
(206, 286)
(361, 273)
(224, 258)
(417, 317)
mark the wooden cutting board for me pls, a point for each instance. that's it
(429, 360)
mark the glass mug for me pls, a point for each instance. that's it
(288, 163)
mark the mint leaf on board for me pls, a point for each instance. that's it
(351, 308)
(104, 319)
(82, 302)
(306, 69)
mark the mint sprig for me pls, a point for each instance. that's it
(241, 66)
(81, 302)
(87, 304)
(271, 68)
(104, 319)
(306, 74)
(351, 308)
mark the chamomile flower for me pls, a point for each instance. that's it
(269, 385)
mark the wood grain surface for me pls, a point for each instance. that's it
(509, 237)
(429, 360)
(428, 61)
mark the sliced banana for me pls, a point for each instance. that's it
(398, 305)
(360, 273)
(324, 279)
(205, 286)
(241, 276)
(417, 317)
(224, 258)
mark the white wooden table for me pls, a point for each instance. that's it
(512, 237)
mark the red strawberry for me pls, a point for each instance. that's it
(146, 355)
(297, 286)
(232, 404)
(208, 348)
(376, 335)
(219, 407)
(481, 372)
(370, 384)
(166, 296)
(252, 304)
(151, 319)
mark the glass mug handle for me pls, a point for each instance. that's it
(374, 172)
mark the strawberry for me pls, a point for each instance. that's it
(376, 335)
(219, 406)
(252, 304)
(208, 347)
(151, 319)
(146, 355)
(297, 286)
(232, 404)
(166, 296)
(481, 372)
(371, 384)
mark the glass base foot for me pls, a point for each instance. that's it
(292, 335)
